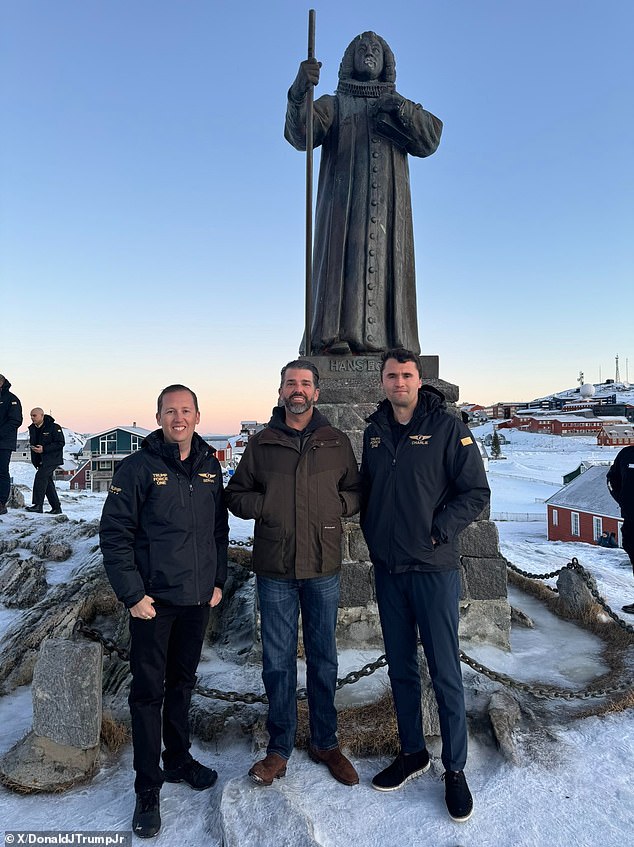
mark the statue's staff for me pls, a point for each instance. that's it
(309, 190)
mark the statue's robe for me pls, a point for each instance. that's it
(364, 283)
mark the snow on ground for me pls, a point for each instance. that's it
(576, 790)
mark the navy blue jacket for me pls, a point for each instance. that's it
(620, 481)
(165, 532)
(431, 484)
(10, 417)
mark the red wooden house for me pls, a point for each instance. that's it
(583, 509)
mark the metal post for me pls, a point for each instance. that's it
(309, 191)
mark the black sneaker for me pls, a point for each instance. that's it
(629, 609)
(457, 796)
(57, 511)
(146, 821)
(193, 773)
(403, 768)
(34, 508)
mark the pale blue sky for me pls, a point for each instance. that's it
(152, 215)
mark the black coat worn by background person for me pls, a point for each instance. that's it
(10, 417)
(364, 282)
(51, 438)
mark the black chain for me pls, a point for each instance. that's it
(107, 643)
(574, 565)
(367, 670)
(247, 543)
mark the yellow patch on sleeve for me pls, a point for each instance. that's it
(466, 440)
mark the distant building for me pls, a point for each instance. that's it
(488, 439)
(248, 429)
(223, 448)
(583, 509)
(103, 452)
(562, 424)
(500, 411)
(618, 435)
(22, 452)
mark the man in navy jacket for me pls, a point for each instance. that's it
(10, 422)
(423, 482)
(164, 535)
(620, 479)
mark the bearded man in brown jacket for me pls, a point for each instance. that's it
(297, 478)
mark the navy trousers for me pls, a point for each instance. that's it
(425, 605)
(164, 655)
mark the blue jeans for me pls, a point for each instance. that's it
(417, 604)
(280, 602)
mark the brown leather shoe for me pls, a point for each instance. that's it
(267, 769)
(341, 768)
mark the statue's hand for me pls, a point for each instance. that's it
(307, 75)
(391, 103)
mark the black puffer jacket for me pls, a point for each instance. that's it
(164, 532)
(432, 484)
(10, 417)
(51, 438)
(297, 489)
(620, 481)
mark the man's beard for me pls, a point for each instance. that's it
(297, 408)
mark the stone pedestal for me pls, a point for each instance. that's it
(63, 748)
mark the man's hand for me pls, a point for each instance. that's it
(307, 75)
(144, 609)
(216, 597)
(37, 448)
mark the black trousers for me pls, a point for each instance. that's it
(627, 538)
(43, 485)
(164, 655)
(5, 476)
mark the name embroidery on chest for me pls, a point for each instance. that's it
(420, 440)
(207, 477)
(159, 478)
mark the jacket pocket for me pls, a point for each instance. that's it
(330, 542)
(268, 549)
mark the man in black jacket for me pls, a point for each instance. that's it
(423, 483)
(10, 422)
(47, 453)
(620, 479)
(164, 535)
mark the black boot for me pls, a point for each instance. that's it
(146, 821)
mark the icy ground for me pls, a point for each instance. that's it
(574, 789)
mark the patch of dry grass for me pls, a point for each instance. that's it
(368, 730)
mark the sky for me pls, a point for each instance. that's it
(152, 214)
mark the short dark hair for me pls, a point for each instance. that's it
(300, 365)
(401, 355)
(170, 390)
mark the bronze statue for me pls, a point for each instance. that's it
(364, 283)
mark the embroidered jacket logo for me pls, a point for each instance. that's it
(375, 441)
(159, 478)
(419, 440)
(207, 477)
